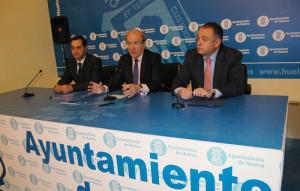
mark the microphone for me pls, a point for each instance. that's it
(109, 97)
(30, 94)
(177, 104)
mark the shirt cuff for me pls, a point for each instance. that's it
(177, 90)
(218, 93)
(145, 89)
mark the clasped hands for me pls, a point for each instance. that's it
(129, 90)
(63, 88)
(199, 92)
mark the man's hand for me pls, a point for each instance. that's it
(185, 94)
(201, 92)
(66, 88)
(57, 88)
(95, 88)
(131, 89)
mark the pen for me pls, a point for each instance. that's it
(107, 103)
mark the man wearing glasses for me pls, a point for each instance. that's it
(140, 69)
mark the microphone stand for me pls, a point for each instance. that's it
(109, 97)
(177, 104)
(30, 94)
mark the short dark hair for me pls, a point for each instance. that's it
(79, 37)
(216, 28)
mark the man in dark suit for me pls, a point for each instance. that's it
(140, 69)
(214, 69)
(83, 68)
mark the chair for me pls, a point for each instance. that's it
(170, 71)
(248, 87)
(108, 72)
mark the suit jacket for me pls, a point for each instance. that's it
(228, 73)
(91, 71)
(150, 72)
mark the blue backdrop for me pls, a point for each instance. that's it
(267, 32)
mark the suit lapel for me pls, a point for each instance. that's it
(144, 66)
(218, 67)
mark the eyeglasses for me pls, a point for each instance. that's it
(136, 44)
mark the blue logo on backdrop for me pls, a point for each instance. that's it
(77, 176)
(46, 168)
(22, 160)
(27, 189)
(109, 140)
(71, 134)
(11, 171)
(60, 187)
(115, 186)
(14, 123)
(158, 147)
(24, 144)
(4, 140)
(2, 171)
(33, 179)
(38, 128)
(216, 156)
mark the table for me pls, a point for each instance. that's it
(141, 143)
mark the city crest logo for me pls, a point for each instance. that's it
(71, 134)
(38, 128)
(60, 187)
(77, 176)
(115, 186)
(158, 147)
(110, 140)
(216, 156)
(14, 123)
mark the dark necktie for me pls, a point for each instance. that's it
(136, 72)
(207, 75)
(79, 69)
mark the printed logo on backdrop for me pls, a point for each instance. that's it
(216, 156)
(278, 35)
(33, 179)
(240, 37)
(115, 186)
(93, 36)
(46, 168)
(262, 51)
(263, 21)
(158, 147)
(176, 41)
(110, 140)
(116, 56)
(102, 46)
(123, 44)
(38, 128)
(4, 139)
(226, 24)
(11, 171)
(149, 43)
(71, 134)
(77, 176)
(24, 143)
(60, 187)
(2, 170)
(27, 189)
(114, 34)
(14, 123)
(165, 54)
(164, 29)
(193, 26)
(22, 160)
